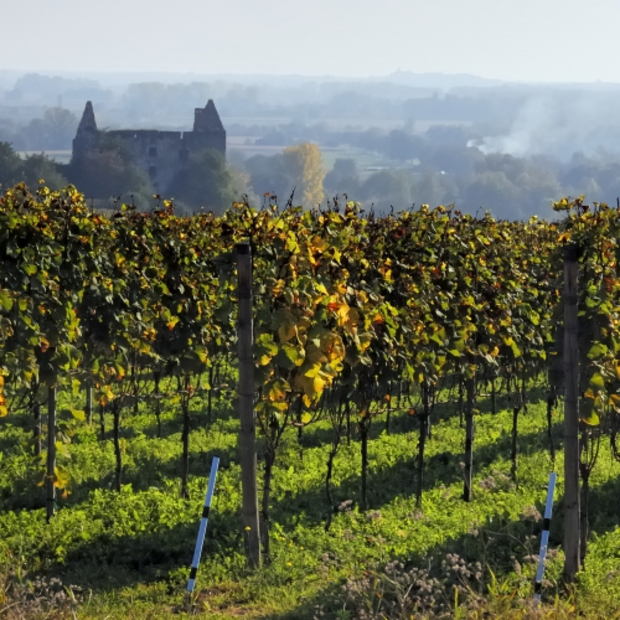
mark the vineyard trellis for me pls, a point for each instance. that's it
(356, 317)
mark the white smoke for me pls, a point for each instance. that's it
(560, 123)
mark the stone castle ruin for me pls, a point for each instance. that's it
(159, 153)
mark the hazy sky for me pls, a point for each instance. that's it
(525, 40)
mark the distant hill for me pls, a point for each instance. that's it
(443, 81)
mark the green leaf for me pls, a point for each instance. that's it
(5, 300)
(597, 380)
(78, 414)
(597, 350)
(459, 345)
(295, 354)
(75, 386)
(592, 419)
(437, 339)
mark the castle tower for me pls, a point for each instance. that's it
(87, 132)
(208, 129)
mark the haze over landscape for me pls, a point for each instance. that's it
(527, 40)
(408, 102)
(359, 258)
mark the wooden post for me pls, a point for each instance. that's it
(36, 409)
(470, 405)
(247, 432)
(51, 452)
(571, 418)
(89, 404)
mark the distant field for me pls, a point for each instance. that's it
(366, 161)
(61, 157)
(345, 123)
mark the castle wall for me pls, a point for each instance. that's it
(161, 154)
(201, 140)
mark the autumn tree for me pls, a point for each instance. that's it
(305, 166)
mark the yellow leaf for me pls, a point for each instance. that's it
(313, 371)
(275, 393)
(319, 384)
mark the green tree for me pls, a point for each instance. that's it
(388, 188)
(10, 163)
(269, 175)
(404, 146)
(54, 131)
(539, 188)
(435, 189)
(343, 178)
(204, 182)
(494, 191)
(14, 169)
(38, 167)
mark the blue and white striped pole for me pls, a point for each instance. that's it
(202, 530)
(544, 539)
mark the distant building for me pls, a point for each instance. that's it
(159, 153)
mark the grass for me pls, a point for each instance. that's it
(127, 555)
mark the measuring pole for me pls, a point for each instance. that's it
(202, 530)
(544, 539)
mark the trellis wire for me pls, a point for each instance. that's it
(544, 539)
(202, 530)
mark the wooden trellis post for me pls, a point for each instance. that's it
(247, 417)
(572, 535)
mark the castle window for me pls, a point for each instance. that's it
(184, 155)
(152, 151)
(153, 171)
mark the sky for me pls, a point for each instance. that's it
(512, 40)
